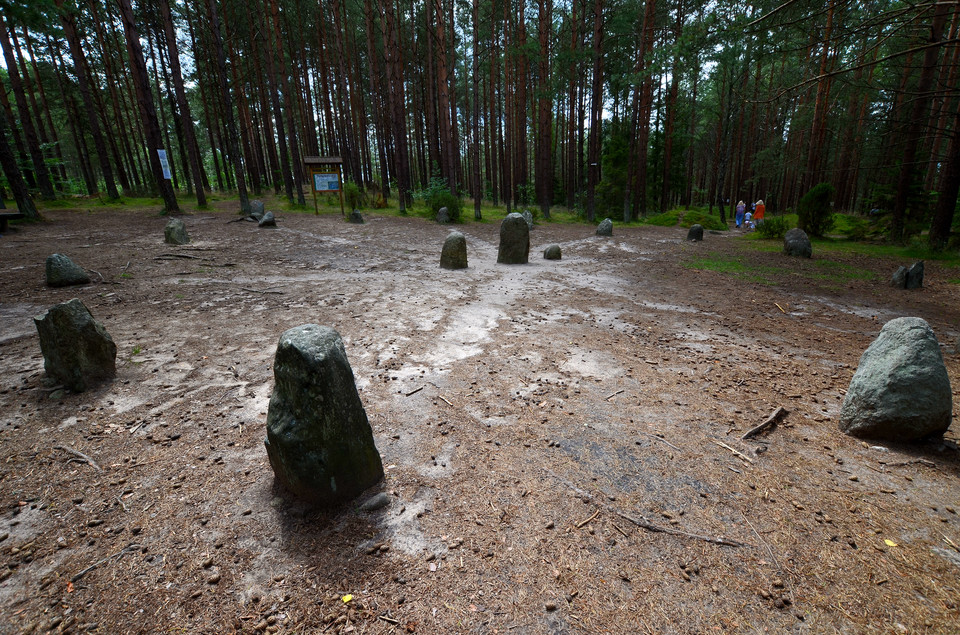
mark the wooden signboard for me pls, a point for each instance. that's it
(326, 175)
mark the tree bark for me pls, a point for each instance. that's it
(8, 161)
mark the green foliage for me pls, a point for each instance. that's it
(815, 213)
(353, 196)
(667, 219)
(775, 227)
(696, 217)
(436, 195)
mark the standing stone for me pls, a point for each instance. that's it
(796, 243)
(527, 216)
(257, 209)
(77, 351)
(63, 272)
(175, 233)
(514, 240)
(915, 275)
(268, 220)
(319, 440)
(901, 391)
(443, 216)
(552, 252)
(696, 233)
(454, 254)
(899, 279)
(355, 217)
(605, 228)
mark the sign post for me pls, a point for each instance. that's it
(164, 163)
(326, 175)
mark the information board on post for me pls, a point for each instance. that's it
(164, 163)
(326, 176)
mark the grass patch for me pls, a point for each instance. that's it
(732, 265)
(698, 217)
(841, 271)
(667, 219)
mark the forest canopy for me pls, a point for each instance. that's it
(619, 108)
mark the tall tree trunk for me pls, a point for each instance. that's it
(448, 153)
(544, 161)
(45, 105)
(394, 63)
(478, 195)
(596, 106)
(26, 122)
(148, 112)
(227, 102)
(8, 161)
(182, 104)
(915, 128)
(646, 106)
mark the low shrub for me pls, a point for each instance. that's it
(775, 227)
(814, 211)
(708, 222)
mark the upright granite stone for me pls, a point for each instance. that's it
(528, 216)
(268, 220)
(443, 216)
(605, 228)
(257, 209)
(319, 441)
(899, 279)
(901, 391)
(355, 217)
(454, 254)
(63, 272)
(796, 243)
(915, 275)
(552, 252)
(77, 351)
(514, 240)
(696, 233)
(175, 233)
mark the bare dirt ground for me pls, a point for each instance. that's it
(538, 424)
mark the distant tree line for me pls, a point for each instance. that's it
(614, 107)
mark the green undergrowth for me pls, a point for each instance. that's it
(734, 265)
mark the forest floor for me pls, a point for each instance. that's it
(562, 440)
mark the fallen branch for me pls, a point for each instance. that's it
(661, 439)
(735, 451)
(771, 421)
(642, 522)
(266, 291)
(81, 456)
(128, 549)
(389, 620)
(584, 522)
(613, 395)
(175, 256)
(445, 400)
(781, 308)
(415, 391)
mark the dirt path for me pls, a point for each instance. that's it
(537, 423)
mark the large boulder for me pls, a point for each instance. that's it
(63, 272)
(454, 254)
(319, 441)
(257, 209)
(605, 228)
(797, 243)
(175, 232)
(696, 233)
(77, 351)
(901, 391)
(514, 240)
(552, 252)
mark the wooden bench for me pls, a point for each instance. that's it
(5, 216)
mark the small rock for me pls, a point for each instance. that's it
(355, 217)
(552, 252)
(514, 240)
(375, 502)
(63, 272)
(443, 216)
(550, 606)
(696, 233)
(527, 216)
(175, 233)
(214, 579)
(915, 276)
(268, 220)
(257, 209)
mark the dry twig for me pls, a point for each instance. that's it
(80, 455)
(642, 522)
(661, 439)
(128, 549)
(736, 452)
(608, 398)
(415, 391)
(584, 522)
(771, 421)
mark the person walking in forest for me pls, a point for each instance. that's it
(741, 208)
(758, 213)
